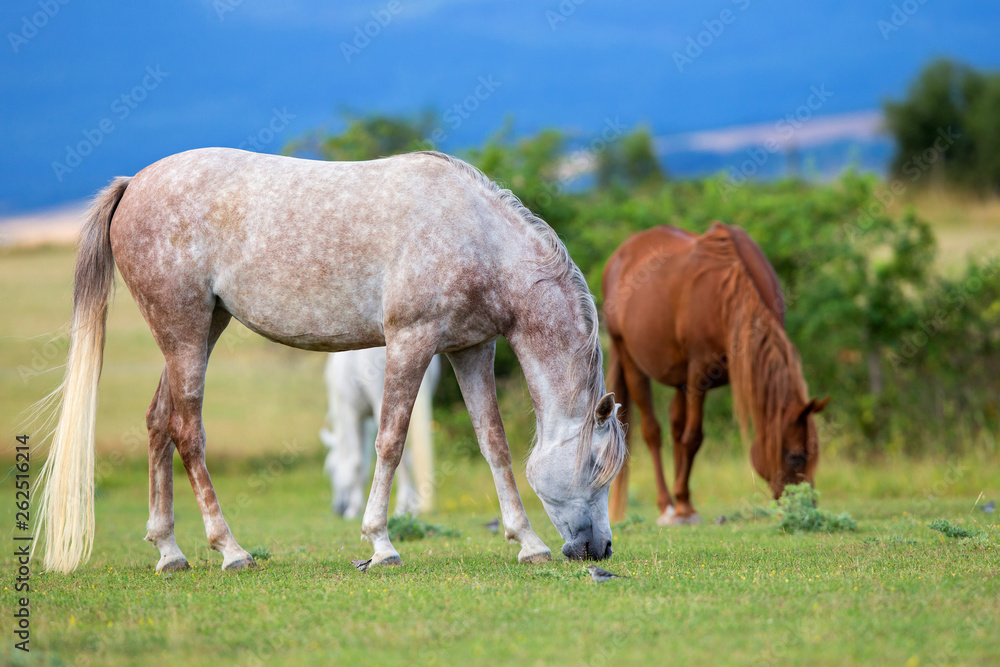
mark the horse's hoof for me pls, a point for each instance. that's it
(239, 564)
(392, 560)
(177, 564)
(535, 557)
(671, 518)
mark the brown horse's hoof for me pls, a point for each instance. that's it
(671, 518)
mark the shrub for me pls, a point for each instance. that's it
(797, 512)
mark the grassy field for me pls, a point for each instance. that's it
(894, 592)
(738, 593)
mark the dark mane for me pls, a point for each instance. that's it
(560, 268)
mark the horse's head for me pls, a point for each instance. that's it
(799, 455)
(572, 473)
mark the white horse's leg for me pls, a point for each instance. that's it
(327, 433)
(160, 527)
(348, 481)
(407, 501)
(421, 449)
(407, 356)
(474, 370)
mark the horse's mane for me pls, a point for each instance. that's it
(764, 368)
(557, 266)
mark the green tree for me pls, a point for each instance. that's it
(367, 138)
(629, 162)
(947, 129)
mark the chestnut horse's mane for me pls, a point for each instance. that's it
(764, 367)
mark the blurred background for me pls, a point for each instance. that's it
(858, 142)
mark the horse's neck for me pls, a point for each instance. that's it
(552, 351)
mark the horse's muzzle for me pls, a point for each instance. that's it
(584, 548)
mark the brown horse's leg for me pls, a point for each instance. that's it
(186, 349)
(641, 394)
(474, 370)
(160, 527)
(686, 446)
(678, 419)
(617, 385)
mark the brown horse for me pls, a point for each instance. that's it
(695, 313)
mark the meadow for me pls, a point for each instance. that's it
(740, 592)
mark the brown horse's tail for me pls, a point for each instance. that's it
(616, 385)
(65, 516)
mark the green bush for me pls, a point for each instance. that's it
(948, 529)
(406, 527)
(797, 512)
(909, 356)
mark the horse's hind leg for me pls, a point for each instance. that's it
(186, 346)
(160, 527)
(474, 370)
(407, 355)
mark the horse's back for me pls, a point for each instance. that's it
(647, 296)
(314, 254)
(664, 295)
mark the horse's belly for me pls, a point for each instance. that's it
(330, 316)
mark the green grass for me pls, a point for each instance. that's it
(895, 591)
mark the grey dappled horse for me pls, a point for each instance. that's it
(420, 253)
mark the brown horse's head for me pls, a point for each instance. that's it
(792, 456)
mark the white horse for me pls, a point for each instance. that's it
(420, 253)
(354, 382)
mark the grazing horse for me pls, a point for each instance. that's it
(354, 382)
(420, 253)
(695, 313)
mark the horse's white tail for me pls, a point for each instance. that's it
(65, 514)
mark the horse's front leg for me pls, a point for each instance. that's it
(474, 370)
(407, 356)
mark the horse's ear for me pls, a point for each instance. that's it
(605, 409)
(815, 406)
